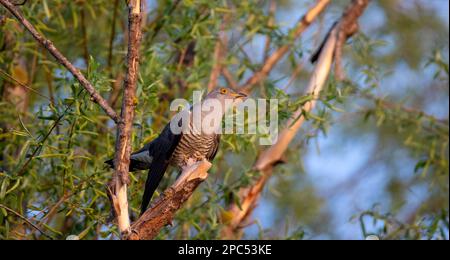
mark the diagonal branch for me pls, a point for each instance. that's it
(163, 210)
(118, 188)
(269, 158)
(276, 56)
(95, 96)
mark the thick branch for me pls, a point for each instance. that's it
(95, 96)
(123, 141)
(273, 59)
(270, 157)
(162, 212)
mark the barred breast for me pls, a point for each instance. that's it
(196, 146)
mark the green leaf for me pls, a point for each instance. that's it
(3, 188)
(16, 184)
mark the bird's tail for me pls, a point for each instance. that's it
(155, 175)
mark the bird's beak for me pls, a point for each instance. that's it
(239, 95)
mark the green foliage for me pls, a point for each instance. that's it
(51, 165)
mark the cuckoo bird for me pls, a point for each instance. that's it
(181, 148)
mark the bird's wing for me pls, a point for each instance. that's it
(161, 150)
(139, 160)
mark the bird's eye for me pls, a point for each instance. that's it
(223, 91)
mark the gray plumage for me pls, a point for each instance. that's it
(178, 150)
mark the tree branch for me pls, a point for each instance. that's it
(272, 156)
(276, 56)
(163, 210)
(95, 96)
(118, 188)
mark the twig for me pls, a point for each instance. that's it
(26, 220)
(95, 96)
(15, 81)
(52, 212)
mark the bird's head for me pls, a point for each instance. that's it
(223, 93)
(225, 97)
